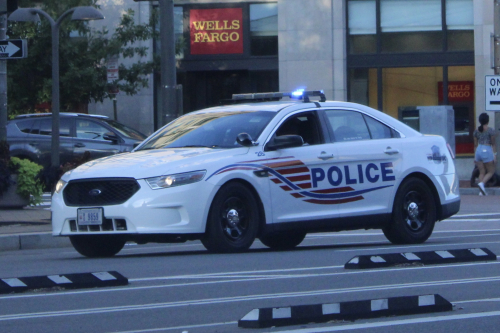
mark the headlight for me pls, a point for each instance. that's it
(175, 180)
(59, 186)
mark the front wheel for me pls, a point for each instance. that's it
(413, 215)
(233, 219)
(95, 246)
(283, 240)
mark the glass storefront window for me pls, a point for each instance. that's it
(460, 25)
(410, 86)
(362, 26)
(363, 86)
(180, 43)
(264, 29)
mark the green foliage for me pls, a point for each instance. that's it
(82, 60)
(28, 185)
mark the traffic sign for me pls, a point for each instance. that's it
(13, 49)
(492, 89)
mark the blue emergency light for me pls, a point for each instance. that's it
(300, 94)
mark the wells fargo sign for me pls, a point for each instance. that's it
(458, 91)
(216, 31)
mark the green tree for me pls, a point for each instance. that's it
(82, 59)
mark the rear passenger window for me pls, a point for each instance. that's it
(377, 129)
(25, 125)
(348, 126)
(44, 127)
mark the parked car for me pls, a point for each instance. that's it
(273, 170)
(29, 136)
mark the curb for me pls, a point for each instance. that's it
(475, 190)
(317, 313)
(422, 258)
(66, 281)
(32, 241)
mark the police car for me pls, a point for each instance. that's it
(272, 166)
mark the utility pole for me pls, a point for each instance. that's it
(496, 37)
(3, 82)
(168, 110)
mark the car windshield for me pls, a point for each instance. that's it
(212, 129)
(126, 131)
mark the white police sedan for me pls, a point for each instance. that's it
(261, 168)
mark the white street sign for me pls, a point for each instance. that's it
(13, 48)
(492, 89)
(112, 69)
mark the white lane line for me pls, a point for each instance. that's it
(179, 327)
(381, 233)
(470, 220)
(245, 280)
(478, 300)
(475, 214)
(395, 322)
(220, 300)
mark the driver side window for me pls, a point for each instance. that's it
(86, 129)
(304, 124)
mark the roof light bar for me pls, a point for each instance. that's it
(297, 94)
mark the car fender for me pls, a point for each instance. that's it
(439, 186)
(260, 185)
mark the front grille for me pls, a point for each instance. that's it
(99, 191)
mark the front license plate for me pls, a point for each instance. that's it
(89, 216)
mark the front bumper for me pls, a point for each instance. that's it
(176, 210)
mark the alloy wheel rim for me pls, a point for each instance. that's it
(234, 218)
(414, 210)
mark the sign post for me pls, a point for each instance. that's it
(112, 75)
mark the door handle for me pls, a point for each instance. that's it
(324, 156)
(79, 145)
(33, 143)
(390, 151)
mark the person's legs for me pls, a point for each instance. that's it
(490, 170)
(482, 171)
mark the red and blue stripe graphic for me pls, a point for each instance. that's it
(293, 176)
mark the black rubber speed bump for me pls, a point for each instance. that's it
(66, 281)
(424, 258)
(318, 313)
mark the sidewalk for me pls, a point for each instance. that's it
(30, 227)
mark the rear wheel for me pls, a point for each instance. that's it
(414, 213)
(232, 223)
(283, 240)
(94, 246)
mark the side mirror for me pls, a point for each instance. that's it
(110, 136)
(245, 140)
(285, 141)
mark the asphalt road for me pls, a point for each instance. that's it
(182, 288)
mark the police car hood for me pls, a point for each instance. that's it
(152, 163)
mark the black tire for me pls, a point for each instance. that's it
(413, 213)
(283, 240)
(95, 246)
(232, 223)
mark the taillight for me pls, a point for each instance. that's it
(450, 150)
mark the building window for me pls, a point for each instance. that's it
(411, 26)
(264, 29)
(460, 25)
(362, 26)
